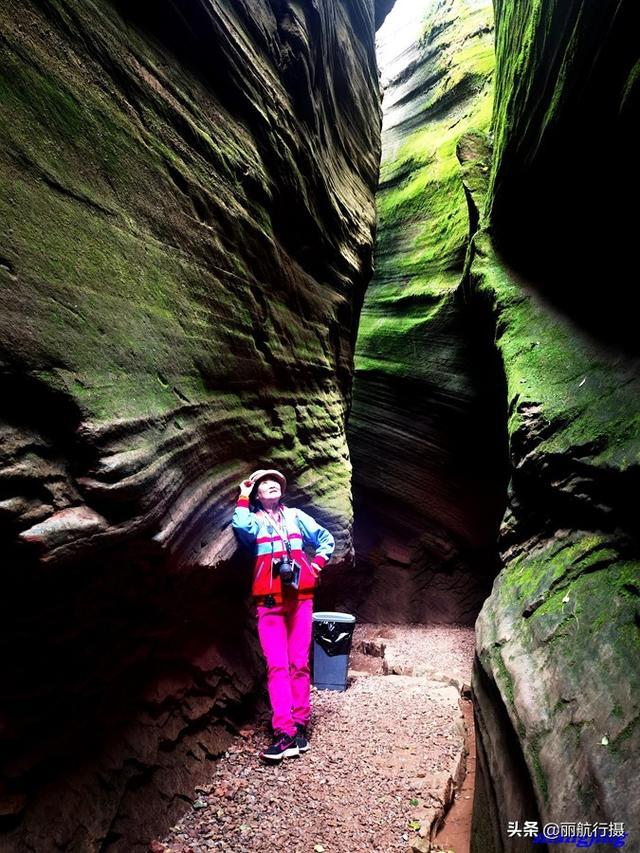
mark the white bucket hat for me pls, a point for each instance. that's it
(261, 473)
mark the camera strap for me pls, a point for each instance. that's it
(283, 533)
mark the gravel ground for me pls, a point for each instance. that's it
(380, 765)
(445, 651)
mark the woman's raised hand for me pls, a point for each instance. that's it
(245, 488)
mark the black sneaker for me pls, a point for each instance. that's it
(301, 738)
(284, 746)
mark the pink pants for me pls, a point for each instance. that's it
(285, 637)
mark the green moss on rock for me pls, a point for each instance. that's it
(588, 398)
(423, 224)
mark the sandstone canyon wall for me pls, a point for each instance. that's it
(187, 217)
(558, 680)
(496, 413)
(427, 428)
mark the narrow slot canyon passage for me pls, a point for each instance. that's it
(392, 760)
(382, 248)
(428, 424)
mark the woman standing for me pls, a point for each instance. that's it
(283, 583)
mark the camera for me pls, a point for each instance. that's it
(287, 570)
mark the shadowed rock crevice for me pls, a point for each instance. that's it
(571, 112)
(503, 784)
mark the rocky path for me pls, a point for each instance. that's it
(385, 759)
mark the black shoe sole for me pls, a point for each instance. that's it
(292, 752)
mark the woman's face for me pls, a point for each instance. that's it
(269, 489)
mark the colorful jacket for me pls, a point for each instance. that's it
(256, 529)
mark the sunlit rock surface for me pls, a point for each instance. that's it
(427, 425)
(187, 210)
(557, 684)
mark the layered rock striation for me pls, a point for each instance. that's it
(557, 681)
(187, 214)
(427, 431)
